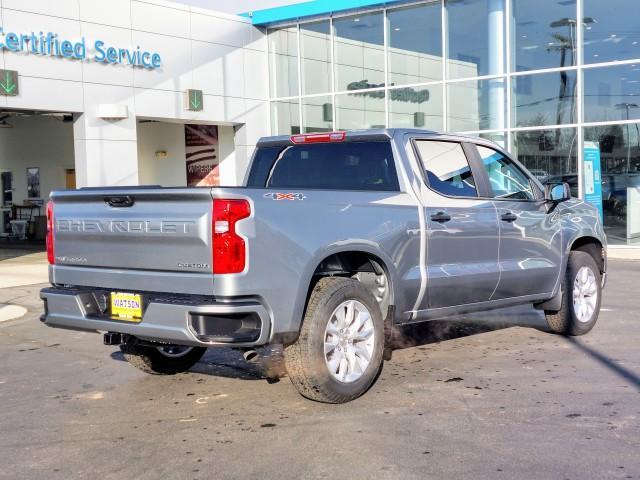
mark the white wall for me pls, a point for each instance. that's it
(36, 142)
(221, 54)
(169, 171)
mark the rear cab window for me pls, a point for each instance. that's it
(326, 166)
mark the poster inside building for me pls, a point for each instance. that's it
(201, 142)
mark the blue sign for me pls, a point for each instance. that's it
(592, 175)
(50, 44)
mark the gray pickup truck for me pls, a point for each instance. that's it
(334, 239)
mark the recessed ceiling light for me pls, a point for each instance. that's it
(596, 55)
(634, 43)
(613, 35)
(397, 29)
(356, 19)
(550, 44)
(524, 36)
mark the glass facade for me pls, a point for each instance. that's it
(315, 57)
(528, 75)
(415, 44)
(544, 34)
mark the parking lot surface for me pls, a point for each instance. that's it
(485, 396)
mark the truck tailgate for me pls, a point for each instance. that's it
(143, 229)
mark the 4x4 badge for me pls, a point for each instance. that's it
(285, 196)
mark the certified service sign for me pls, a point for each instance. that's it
(52, 45)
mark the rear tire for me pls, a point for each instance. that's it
(163, 359)
(582, 294)
(338, 354)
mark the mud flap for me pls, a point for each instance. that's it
(552, 305)
(388, 333)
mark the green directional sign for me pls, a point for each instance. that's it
(195, 101)
(9, 83)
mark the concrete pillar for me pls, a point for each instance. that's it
(106, 150)
(226, 153)
(497, 87)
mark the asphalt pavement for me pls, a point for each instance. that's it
(485, 396)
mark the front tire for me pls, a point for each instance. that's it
(161, 359)
(338, 354)
(582, 294)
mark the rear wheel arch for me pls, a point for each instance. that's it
(361, 265)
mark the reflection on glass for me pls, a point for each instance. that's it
(285, 117)
(416, 107)
(476, 105)
(315, 51)
(612, 93)
(611, 30)
(551, 155)
(497, 138)
(544, 99)
(359, 52)
(544, 32)
(620, 164)
(505, 178)
(415, 44)
(447, 169)
(360, 110)
(476, 43)
(283, 62)
(317, 114)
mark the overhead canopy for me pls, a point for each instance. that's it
(298, 11)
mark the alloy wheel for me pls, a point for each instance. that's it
(349, 341)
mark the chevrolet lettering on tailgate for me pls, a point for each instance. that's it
(125, 226)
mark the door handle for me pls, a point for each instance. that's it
(119, 201)
(509, 217)
(440, 217)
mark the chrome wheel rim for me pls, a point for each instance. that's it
(585, 294)
(349, 340)
(174, 351)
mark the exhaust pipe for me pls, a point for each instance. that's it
(113, 338)
(251, 356)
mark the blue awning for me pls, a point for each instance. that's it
(299, 11)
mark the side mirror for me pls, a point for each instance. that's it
(557, 192)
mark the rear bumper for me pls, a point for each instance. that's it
(183, 320)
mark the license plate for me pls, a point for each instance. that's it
(126, 306)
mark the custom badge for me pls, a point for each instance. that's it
(285, 196)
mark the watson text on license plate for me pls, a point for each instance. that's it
(126, 306)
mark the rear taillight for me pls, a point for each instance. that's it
(319, 137)
(50, 250)
(229, 248)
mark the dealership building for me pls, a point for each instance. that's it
(135, 92)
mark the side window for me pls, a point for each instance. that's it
(505, 178)
(447, 168)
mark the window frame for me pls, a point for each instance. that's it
(468, 153)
